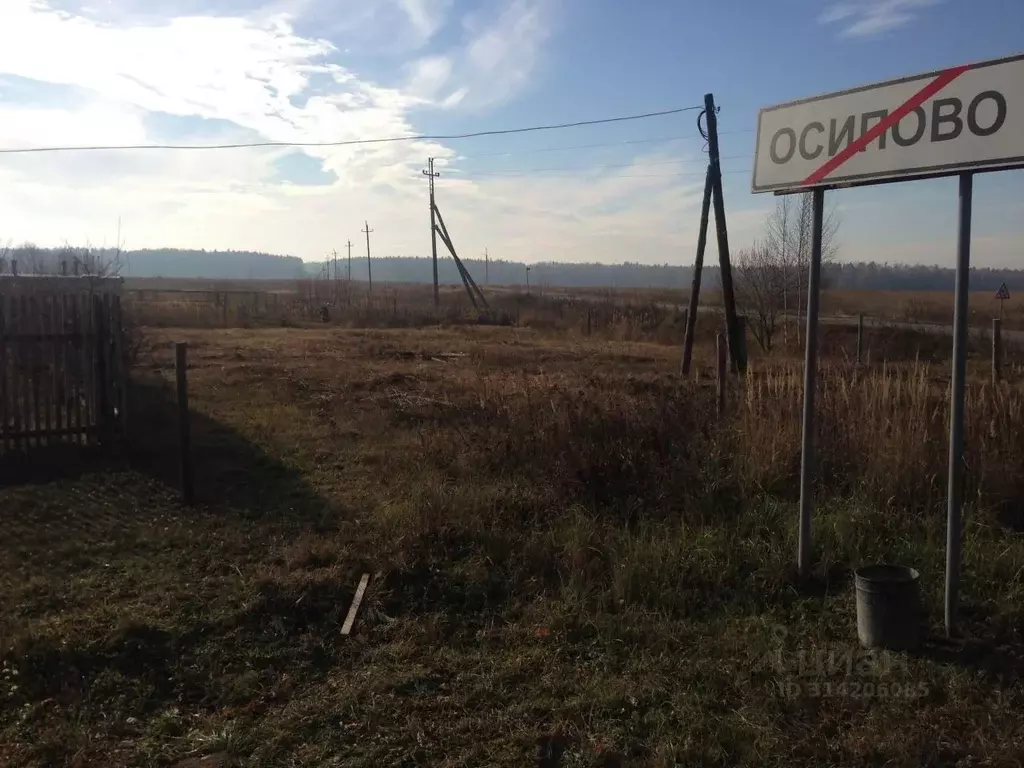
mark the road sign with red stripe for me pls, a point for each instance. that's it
(969, 117)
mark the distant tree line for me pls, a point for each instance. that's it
(242, 265)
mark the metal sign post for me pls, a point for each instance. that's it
(959, 121)
(955, 490)
(810, 382)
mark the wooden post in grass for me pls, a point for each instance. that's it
(741, 343)
(720, 349)
(860, 339)
(184, 432)
(997, 350)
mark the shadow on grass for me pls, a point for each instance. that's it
(1000, 663)
(989, 643)
(109, 521)
(230, 471)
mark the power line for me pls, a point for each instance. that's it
(470, 176)
(349, 142)
(580, 146)
(597, 167)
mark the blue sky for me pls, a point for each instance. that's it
(199, 71)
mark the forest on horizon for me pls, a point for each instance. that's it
(251, 265)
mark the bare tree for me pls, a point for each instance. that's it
(75, 260)
(759, 278)
(772, 276)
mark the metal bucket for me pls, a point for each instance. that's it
(888, 609)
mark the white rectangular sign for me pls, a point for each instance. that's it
(964, 118)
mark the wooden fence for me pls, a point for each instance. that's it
(62, 367)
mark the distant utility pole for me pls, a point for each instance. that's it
(349, 282)
(369, 270)
(335, 276)
(527, 280)
(487, 268)
(431, 175)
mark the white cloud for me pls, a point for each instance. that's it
(871, 18)
(429, 75)
(205, 78)
(426, 16)
(501, 58)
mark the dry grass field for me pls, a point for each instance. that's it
(574, 561)
(198, 303)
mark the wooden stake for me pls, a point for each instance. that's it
(720, 349)
(350, 619)
(860, 339)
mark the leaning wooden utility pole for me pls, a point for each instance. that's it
(698, 266)
(438, 229)
(728, 295)
(467, 279)
(369, 269)
(431, 175)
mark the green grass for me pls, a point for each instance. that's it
(574, 563)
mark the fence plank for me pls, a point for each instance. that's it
(76, 364)
(45, 364)
(55, 360)
(87, 348)
(54, 366)
(5, 425)
(35, 366)
(65, 358)
(100, 372)
(57, 327)
(119, 357)
(19, 359)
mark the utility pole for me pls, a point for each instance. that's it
(349, 281)
(527, 281)
(728, 295)
(431, 175)
(487, 269)
(698, 265)
(335, 276)
(369, 270)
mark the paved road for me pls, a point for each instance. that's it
(850, 321)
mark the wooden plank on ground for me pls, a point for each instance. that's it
(346, 628)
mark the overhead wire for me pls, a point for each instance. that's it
(691, 174)
(592, 167)
(348, 142)
(577, 146)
